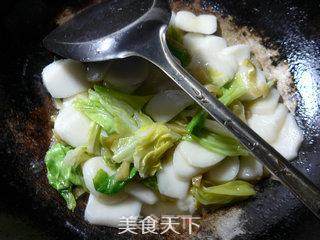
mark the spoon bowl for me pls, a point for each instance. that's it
(110, 30)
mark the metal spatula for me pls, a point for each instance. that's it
(123, 28)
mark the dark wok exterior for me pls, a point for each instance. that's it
(29, 209)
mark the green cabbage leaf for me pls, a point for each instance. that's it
(110, 185)
(65, 176)
(146, 148)
(223, 194)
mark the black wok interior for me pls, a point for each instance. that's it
(29, 209)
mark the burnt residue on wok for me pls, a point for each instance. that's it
(289, 27)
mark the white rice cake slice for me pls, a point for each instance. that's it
(204, 23)
(268, 126)
(240, 52)
(182, 168)
(99, 212)
(198, 156)
(225, 171)
(65, 78)
(72, 126)
(142, 193)
(250, 169)
(170, 184)
(266, 105)
(289, 139)
(127, 74)
(200, 45)
(166, 105)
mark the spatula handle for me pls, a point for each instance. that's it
(303, 188)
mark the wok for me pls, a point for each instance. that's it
(30, 209)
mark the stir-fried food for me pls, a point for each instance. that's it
(131, 139)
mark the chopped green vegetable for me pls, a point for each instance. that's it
(146, 148)
(107, 140)
(215, 90)
(197, 122)
(245, 85)
(219, 144)
(69, 198)
(123, 171)
(76, 156)
(136, 102)
(93, 142)
(142, 119)
(177, 127)
(109, 185)
(175, 34)
(151, 182)
(199, 72)
(185, 116)
(175, 44)
(63, 177)
(217, 78)
(152, 143)
(103, 138)
(120, 110)
(95, 111)
(238, 109)
(107, 157)
(112, 110)
(216, 141)
(224, 193)
(124, 149)
(217, 128)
